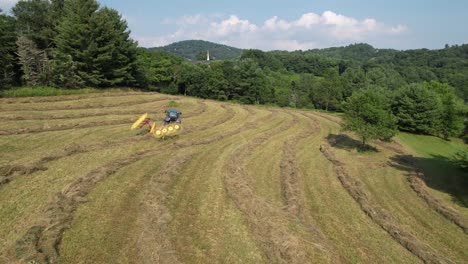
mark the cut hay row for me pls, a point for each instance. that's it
(415, 179)
(420, 187)
(292, 182)
(380, 216)
(67, 127)
(63, 98)
(154, 243)
(268, 225)
(8, 172)
(62, 127)
(89, 106)
(157, 108)
(42, 240)
(248, 126)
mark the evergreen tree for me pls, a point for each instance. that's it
(418, 109)
(75, 38)
(64, 72)
(99, 44)
(38, 19)
(114, 53)
(7, 49)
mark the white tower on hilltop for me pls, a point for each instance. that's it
(207, 55)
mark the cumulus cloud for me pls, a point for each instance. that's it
(309, 31)
(5, 5)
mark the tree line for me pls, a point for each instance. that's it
(77, 43)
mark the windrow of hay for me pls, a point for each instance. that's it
(157, 109)
(84, 115)
(60, 212)
(380, 216)
(8, 172)
(291, 181)
(41, 241)
(67, 127)
(415, 178)
(62, 98)
(154, 243)
(269, 225)
(90, 106)
(290, 173)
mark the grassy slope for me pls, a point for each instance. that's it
(215, 194)
(434, 156)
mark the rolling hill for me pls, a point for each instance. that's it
(241, 184)
(189, 49)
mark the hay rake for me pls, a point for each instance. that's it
(165, 130)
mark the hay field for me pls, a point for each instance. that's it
(240, 184)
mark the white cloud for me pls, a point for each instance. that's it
(232, 25)
(308, 20)
(309, 31)
(5, 5)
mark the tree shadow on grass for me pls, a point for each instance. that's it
(345, 142)
(440, 174)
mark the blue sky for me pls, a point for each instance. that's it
(290, 25)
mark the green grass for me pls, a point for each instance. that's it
(436, 157)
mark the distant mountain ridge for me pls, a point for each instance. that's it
(194, 50)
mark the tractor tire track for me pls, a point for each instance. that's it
(41, 242)
(377, 214)
(266, 223)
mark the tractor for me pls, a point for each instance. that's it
(172, 124)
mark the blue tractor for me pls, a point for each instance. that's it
(172, 116)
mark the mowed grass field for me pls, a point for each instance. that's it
(240, 184)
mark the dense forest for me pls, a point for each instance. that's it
(195, 50)
(77, 43)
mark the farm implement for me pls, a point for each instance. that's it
(172, 124)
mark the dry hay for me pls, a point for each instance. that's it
(154, 243)
(66, 127)
(74, 116)
(380, 216)
(90, 106)
(63, 98)
(291, 177)
(268, 225)
(8, 172)
(41, 241)
(417, 183)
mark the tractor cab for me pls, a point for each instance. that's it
(172, 115)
